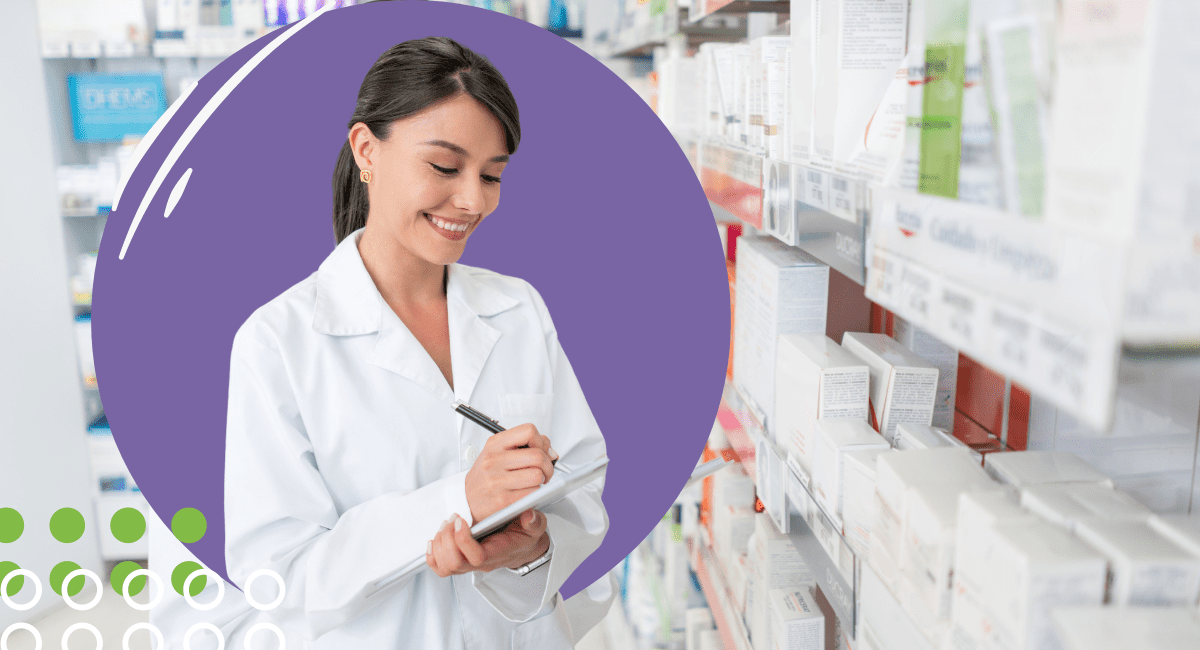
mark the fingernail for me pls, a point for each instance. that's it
(443, 526)
(553, 454)
(457, 523)
(429, 547)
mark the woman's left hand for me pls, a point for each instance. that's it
(454, 552)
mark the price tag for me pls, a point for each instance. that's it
(883, 277)
(816, 189)
(961, 312)
(1011, 336)
(842, 197)
(915, 294)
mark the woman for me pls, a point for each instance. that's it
(345, 459)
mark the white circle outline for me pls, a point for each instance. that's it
(142, 626)
(66, 592)
(269, 627)
(37, 636)
(274, 603)
(187, 589)
(129, 599)
(187, 637)
(37, 589)
(83, 626)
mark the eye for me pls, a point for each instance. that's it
(494, 180)
(449, 171)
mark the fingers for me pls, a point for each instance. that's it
(470, 549)
(523, 435)
(443, 553)
(533, 522)
(518, 459)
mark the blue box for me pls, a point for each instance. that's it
(106, 108)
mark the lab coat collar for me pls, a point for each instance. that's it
(348, 303)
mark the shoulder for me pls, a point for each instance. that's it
(283, 317)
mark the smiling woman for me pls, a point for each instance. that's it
(345, 459)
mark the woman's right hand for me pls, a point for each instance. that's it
(506, 470)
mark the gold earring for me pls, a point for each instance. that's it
(365, 176)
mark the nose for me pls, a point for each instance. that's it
(468, 196)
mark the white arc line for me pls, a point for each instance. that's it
(202, 117)
(173, 198)
(144, 145)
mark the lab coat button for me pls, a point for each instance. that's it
(470, 454)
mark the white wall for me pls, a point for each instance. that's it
(43, 454)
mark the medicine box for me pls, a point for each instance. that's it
(781, 290)
(797, 623)
(859, 507)
(1122, 628)
(903, 385)
(1033, 568)
(776, 565)
(814, 378)
(910, 435)
(1065, 504)
(1022, 469)
(1146, 568)
(943, 357)
(833, 439)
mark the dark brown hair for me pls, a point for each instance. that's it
(405, 80)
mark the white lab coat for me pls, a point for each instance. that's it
(344, 456)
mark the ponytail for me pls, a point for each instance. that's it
(350, 205)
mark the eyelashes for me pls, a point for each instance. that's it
(450, 171)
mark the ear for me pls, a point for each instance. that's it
(363, 145)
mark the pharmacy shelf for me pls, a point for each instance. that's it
(741, 7)
(696, 34)
(716, 589)
(812, 532)
(831, 209)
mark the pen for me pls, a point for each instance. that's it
(482, 420)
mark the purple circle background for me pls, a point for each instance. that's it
(600, 211)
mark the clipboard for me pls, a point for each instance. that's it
(555, 490)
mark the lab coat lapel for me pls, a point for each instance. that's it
(471, 337)
(398, 351)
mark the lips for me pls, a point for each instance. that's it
(448, 228)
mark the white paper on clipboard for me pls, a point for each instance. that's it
(555, 490)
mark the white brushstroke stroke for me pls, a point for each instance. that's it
(177, 192)
(148, 140)
(202, 117)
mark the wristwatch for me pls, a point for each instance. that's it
(525, 569)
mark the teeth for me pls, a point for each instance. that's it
(448, 225)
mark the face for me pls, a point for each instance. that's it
(434, 179)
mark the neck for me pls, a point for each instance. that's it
(399, 275)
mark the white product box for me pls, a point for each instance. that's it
(742, 74)
(796, 621)
(930, 531)
(910, 435)
(815, 378)
(1022, 469)
(858, 49)
(717, 64)
(800, 74)
(833, 438)
(732, 487)
(776, 140)
(677, 105)
(1033, 568)
(1181, 529)
(767, 59)
(781, 290)
(776, 565)
(779, 210)
(894, 474)
(1065, 504)
(903, 385)
(859, 506)
(1147, 569)
(697, 620)
(1122, 628)
(943, 357)
(732, 528)
(882, 622)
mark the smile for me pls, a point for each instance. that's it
(453, 230)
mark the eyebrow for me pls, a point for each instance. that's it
(459, 150)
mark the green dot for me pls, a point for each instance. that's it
(189, 525)
(121, 572)
(14, 585)
(59, 573)
(180, 575)
(66, 525)
(11, 525)
(128, 525)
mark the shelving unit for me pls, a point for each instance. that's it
(742, 7)
(716, 590)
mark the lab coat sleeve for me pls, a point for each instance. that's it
(578, 523)
(280, 515)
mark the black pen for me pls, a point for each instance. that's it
(482, 420)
